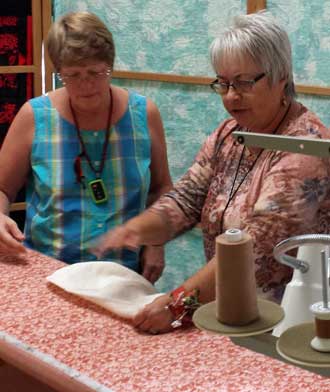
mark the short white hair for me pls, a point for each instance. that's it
(264, 40)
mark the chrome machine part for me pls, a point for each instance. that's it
(293, 242)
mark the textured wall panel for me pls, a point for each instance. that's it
(172, 36)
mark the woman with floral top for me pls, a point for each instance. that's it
(271, 195)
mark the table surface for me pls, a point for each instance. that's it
(68, 343)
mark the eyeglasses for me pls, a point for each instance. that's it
(240, 86)
(77, 78)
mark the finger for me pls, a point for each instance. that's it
(153, 272)
(146, 326)
(147, 273)
(15, 231)
(131, 241)
(95, 251)
(114, 241)
(155, 327)
(101, 249)
(13, 249)
(12, 243)
(139, 318)
(155, 275)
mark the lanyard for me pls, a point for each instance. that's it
(233, 192)
(96, 186)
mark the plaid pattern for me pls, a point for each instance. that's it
(62, 219)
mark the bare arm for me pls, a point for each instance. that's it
(160, 175)
(14, 167)
(152, 258)
(4, 203)
(15, 153)
(170, 215)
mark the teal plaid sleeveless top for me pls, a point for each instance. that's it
(62, 220)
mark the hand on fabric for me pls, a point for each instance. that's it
(155, 318)
(152, 261)
(10, 236)
(121, 237)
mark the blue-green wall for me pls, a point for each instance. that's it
(173, 36)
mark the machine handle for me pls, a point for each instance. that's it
(293, 242)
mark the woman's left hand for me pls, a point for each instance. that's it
(152, 261)
(155, 318)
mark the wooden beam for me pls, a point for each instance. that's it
(18, 69)
(46, 22)
(37, 49)
(18, 206)
(203, 80)
(253, 6)
(170, 78)
(314, 90)
(160, 77)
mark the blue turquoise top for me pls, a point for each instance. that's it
(62, 218)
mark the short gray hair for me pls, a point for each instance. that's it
(261, 37)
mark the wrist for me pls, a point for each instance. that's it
(182, 306)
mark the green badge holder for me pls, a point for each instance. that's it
(98, 191)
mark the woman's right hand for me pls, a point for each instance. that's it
(11, 237)
(121, 237)
(155, 317)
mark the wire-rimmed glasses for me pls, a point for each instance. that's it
(240, 86)
(77, 78)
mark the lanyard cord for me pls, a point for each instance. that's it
(105, 143)
(231, 193)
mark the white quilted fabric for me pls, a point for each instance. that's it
(108, 284)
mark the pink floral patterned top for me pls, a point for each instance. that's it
(276, 195)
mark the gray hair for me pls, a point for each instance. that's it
(261, 37)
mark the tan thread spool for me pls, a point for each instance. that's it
(236, 296)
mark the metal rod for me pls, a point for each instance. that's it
(324, 260)
(301, 265)
(327, 250)
(295, 242)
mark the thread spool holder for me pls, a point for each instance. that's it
(321, 341)
(259, 315)
(321, 311)
(300, 145)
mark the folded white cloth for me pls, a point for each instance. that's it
(108, 284)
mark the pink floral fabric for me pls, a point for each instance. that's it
(84, 343)
(278, 195)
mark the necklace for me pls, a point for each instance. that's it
(232, 193)
(97, 187)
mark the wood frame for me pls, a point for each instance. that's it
(203, 80)
(46, 22)
(255, 5)
(41, 16)
(36, 67)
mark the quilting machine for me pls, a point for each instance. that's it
(305, 287)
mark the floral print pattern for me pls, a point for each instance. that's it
(271, 195)
(104, 353)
